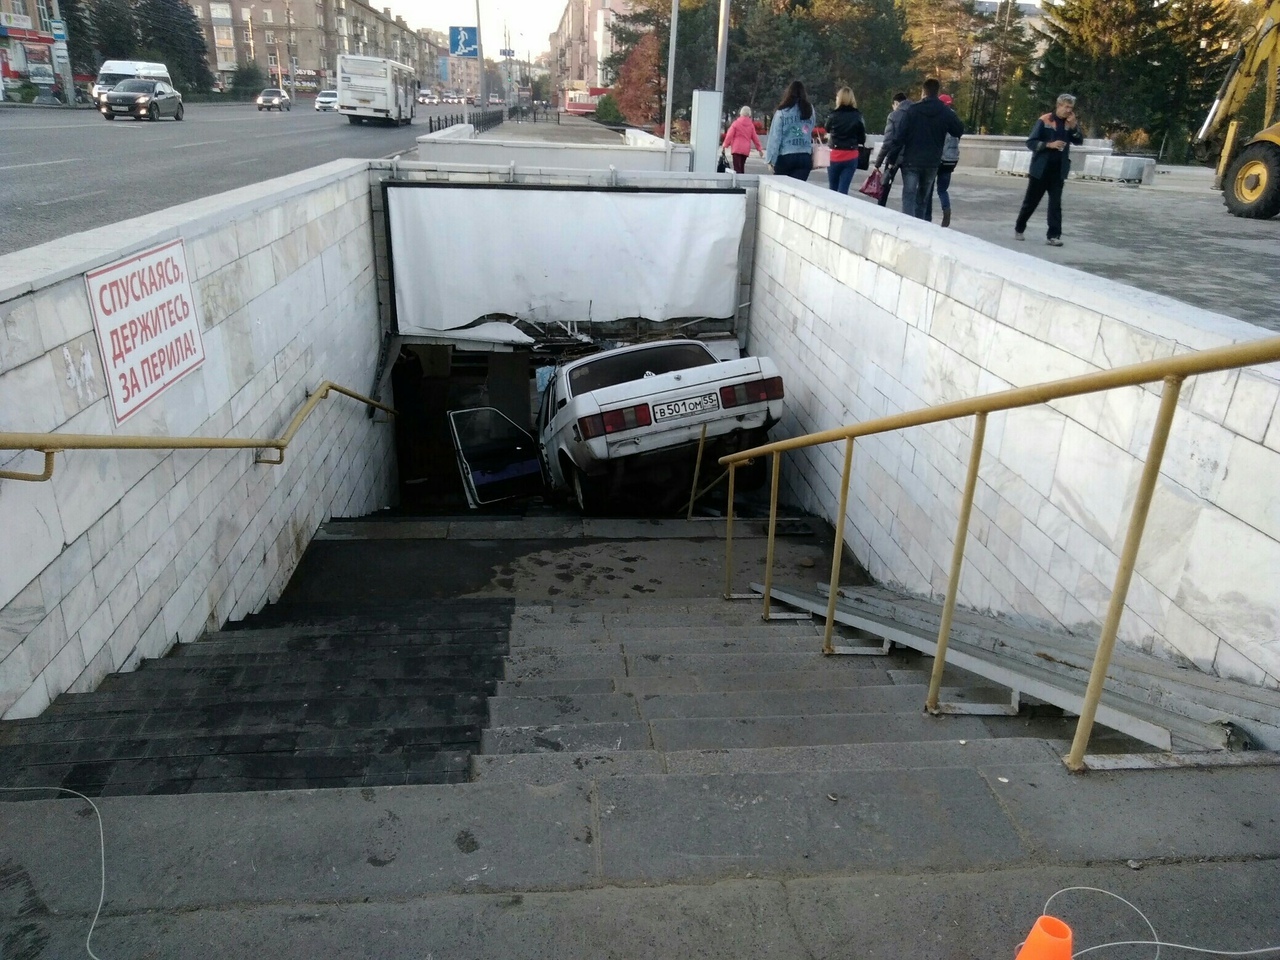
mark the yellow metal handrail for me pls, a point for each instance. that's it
(52, 443)
(1171, 370)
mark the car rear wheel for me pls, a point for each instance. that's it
(178, 114)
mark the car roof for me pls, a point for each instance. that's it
(633, 348)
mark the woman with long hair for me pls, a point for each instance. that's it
(790, 148)
(739, 138)
(848, 137)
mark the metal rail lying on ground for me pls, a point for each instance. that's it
(1172, 371)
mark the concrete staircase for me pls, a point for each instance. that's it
(702, 686)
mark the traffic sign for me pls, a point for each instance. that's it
(58, 29)
(464, 42)
(506, 53)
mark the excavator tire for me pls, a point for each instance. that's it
(1252, 185)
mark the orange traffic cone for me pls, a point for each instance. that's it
(1049, 939)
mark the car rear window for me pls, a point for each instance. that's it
(137, 86)
(611, 369)
(272, 93)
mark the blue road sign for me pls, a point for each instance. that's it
(464, 41)
(58, 29)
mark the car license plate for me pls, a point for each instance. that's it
(675, 409)
(119, 109)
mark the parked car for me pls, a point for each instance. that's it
(327, 100)
(273, 99)
(623, 420)
(141, 99)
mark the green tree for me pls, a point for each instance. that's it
(607, 110)
(247, 80)
(766, 52)
(171, 29)
(943, 34)
(1004, 47)
(862, 44)
(115, 32)
(1199, 35)
(542, 88)
(78, 16)
(1111, 54)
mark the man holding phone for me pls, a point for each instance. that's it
(1050, 142)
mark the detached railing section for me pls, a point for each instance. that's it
(484, 120)
(52, 443)
(1172, 371)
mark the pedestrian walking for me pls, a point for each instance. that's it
(950, 157)
(739, 138)
(1050, 142)
(897, 113)
(789, 151)
(917, 143)
(847, 135)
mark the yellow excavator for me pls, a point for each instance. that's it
(1248, 175)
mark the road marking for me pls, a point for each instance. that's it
(42, 163)
(250, 160)
(78, 196)
(202, 143)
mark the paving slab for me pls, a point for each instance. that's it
(554, 666)
(789, 731)
(544, 768)
(861, 756)
(673, 664)
(659, 829)
(956, 916)
(785, 703)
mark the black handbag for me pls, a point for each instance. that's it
(721, 165)
(864, 157)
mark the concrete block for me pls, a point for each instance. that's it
(213, 251)
(1248, 490)
(1252, 405)
(62, 311)
(20, 340)
(20, 616)
(32, 524)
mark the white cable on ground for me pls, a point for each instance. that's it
(102, 854)
(1155, 940)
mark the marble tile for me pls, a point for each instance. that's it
(20, 616)
(1252, 406)
(63, 312)
(20, 340)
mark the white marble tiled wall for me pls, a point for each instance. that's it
(124, 553)
(869, 313)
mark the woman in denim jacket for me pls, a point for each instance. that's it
(789, 151)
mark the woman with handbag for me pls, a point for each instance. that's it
(789, 151)
(848, 136)
(739, 138)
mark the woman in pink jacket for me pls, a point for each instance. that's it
(739, 138)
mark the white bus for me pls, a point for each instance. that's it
(371, 88)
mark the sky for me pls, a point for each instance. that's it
(535, 19)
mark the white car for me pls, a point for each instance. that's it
(327, 100)
(619, 418)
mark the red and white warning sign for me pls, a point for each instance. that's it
(145, 316)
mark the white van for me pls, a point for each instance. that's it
(113, 71)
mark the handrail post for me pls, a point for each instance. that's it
(697, 471)
(838, 553)
(957, 561)
(773, 529)
(1124, 573)
(728, 535)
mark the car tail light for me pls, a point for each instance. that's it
(757, 391)
(613, 421)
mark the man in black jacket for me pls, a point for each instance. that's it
(918, 142)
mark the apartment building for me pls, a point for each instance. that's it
(27, 46)
(582, 43)
(297, 42)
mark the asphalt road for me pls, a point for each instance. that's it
(64, 171)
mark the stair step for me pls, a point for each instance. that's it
(577, 664)
(173, 673)
(571, 636)
(341, 645)
(543, 769)
(379, 622)
(695, 683)
(723, 644)
(205, 771)
(526, 711)
(117, 690)
(264, 716)
(449, 664)
(729, 733)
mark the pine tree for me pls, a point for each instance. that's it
(768, 51)
(943, 34)
(1111, 54)
(863, 44)
(1199, 35)
(115, 32)
(170, 28)
(1004, 48)
(78, 18)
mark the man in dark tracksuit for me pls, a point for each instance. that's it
(1050, 141)
(919, 140)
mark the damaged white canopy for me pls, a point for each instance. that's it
(567, 255)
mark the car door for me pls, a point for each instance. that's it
(168, 102)
(497, 458)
